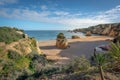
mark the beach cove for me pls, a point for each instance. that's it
(78, 47)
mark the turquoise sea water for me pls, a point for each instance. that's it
(42, 35)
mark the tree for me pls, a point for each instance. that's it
(100, 60)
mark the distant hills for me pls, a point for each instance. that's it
(112, 29)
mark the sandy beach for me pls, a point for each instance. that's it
(78, 47)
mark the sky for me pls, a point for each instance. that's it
(58, 14)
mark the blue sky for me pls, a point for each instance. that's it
(58, 14)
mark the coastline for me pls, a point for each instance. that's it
(78, 47)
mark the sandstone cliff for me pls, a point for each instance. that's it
(17, 41)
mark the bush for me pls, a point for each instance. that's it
(115, 54)
(8, 66)
(50, 70)
(2, 52)
(61, 36)
(77, 64)
(33, 42)
(13, 55)
(21, 62)
(37, 61)
(9, 35)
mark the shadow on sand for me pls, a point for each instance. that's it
(48, 47)
(82, 48)
(78, 48)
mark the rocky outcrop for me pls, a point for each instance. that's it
(19, 42)
(61, 41)
(103, 29)
(24, 46)
(75, 37)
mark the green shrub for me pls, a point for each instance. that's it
(33, 42)
(50, 70)
(7, 66)
(37, 61)
(61, 36)
(32, 66)
(30, 78)
(9, 35)
(21, 62)
(100, 60)
(2, 52)
(76, 65)
(13, 55)
(115, 51)
(115, 56)
(16, 29)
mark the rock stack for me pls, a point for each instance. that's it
(88, 33)
(61, 41)
(75, 37)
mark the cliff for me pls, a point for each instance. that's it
(19, 54)
(103, 29)
(16, 40)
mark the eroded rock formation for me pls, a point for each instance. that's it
(61, 41)
(75, 37)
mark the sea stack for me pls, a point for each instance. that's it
(88, 33)
(61, 41)
(75, 37)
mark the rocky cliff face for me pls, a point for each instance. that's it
(103, 29)
(23, 45)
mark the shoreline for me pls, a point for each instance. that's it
(81, 37)
(78, 47)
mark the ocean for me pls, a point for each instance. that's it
(43, 35)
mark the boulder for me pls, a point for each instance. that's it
(61, 41)
(116, 39)
(88, 33)
(75, 37)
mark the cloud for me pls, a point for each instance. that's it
(61, 13)
(63, 17)
(43, 7)
(111, 15)
(4, 2)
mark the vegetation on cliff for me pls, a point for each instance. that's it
(9, 35)
(18, 54)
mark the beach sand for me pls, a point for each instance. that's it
(78, 47)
